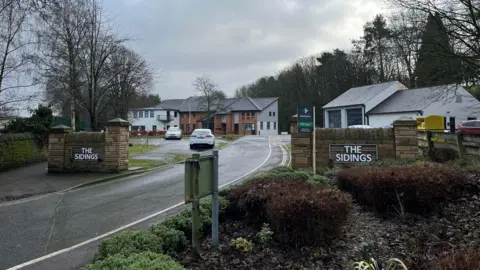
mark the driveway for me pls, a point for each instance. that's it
(41, 226)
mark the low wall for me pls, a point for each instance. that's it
(20, 149)
(354, 145)
(89, 151)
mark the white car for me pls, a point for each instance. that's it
(202, 137)
(173, 133)
(359, 126)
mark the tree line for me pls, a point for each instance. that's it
(420, 44)
(71, 52)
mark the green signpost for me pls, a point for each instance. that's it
(201, 180)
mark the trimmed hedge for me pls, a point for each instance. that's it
(298, 212)
(418, 188)
(136, 261)
(172, 240)
(19, 149)
(459, 260)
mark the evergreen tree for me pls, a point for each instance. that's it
(437, 64)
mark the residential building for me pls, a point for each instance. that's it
(246, 116)
(156, 118)
(380, 104)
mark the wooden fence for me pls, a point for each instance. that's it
(464, 144)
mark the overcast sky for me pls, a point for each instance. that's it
(233, 41)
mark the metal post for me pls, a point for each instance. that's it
(314, 144)
(215, 200)
(196, 206)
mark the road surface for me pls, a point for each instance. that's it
(41, 226)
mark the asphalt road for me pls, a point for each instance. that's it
(38, 227)
(167, 148)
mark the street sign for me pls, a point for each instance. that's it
(204, 166)
(305, 119)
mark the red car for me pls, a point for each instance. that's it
(469, 126)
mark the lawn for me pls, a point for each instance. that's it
(146, 164)
(222, 145)
(289, 147)
(136, 149)
(179, 157)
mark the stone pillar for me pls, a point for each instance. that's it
(301, 147)
(56, 148)
(406, 138)
(116, 145)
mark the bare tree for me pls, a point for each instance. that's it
(462, 21)
(14, 60)
(134, 77)
(210, 94)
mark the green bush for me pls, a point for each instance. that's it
(173, 240)
(410, 189)
(136, 261)
(442, 155)
(19, 149)
(127, 243)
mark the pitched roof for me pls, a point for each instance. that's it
(262, 103)
(358, 95)
(171, 104)
(410, 100)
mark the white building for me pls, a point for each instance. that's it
(160, 117)
(381, 104)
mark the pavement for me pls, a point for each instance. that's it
(63, 230)
(34, 180)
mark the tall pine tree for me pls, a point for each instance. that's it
(436, 65)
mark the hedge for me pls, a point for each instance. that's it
(416, 189)
(20, 149)
(136, 261)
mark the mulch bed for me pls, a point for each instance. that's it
(413, 239)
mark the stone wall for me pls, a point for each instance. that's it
(89, 151)
(390, 143)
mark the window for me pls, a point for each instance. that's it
(243, 113)
(154, 128)
(193, 114)
(135, 128)
(142, 128)
(354, 117)
(274, 125)
(146, 114)
(269, 113)
(334, 119)
(151, 114)
(188, 127)
(193, 126)
(261, 125)
(175, 114)
(273, 114)
(471, 118)
(268, 125)
(140, 114)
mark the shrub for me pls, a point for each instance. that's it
(173, 240)
(306, 215)
(459, 260)
(127, 243)
(265, 235)
(183, 221)
(206, 203)
(242, 244)
(138, 261)
(442, 155)
(412, 189)
(321, 180)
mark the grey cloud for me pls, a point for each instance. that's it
(233, 41)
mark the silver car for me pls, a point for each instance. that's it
(173, 133)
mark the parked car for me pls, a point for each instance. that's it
(202, 137)
(360, 126)
(173, 133)
(469, 126)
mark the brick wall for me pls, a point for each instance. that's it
(111, 147)
(397, 142)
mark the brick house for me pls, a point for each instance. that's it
(244, 116)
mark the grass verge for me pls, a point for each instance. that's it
(179, 157)
(146, 164)
(289, 147)
(136, 149)
(222, 145)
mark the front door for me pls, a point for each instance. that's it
(235, 128)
